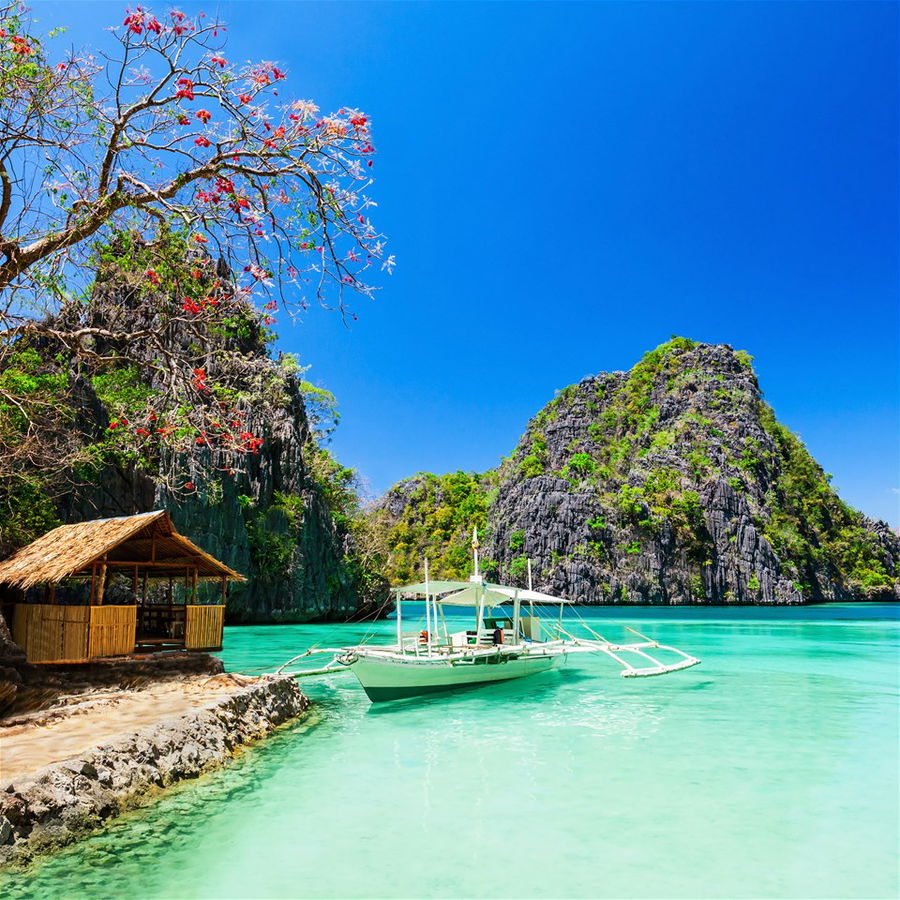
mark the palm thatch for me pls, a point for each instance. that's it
(148, 542)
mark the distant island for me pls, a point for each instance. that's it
(673, 483)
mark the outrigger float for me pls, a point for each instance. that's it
(508, 641)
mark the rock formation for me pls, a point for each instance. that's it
(672, 483)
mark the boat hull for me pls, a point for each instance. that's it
(386, 679)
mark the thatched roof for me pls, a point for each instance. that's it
(149, 541)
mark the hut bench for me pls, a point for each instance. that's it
(145, 547)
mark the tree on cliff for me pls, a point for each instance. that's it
(191, 181)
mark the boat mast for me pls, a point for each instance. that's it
(516, 617)
(427, 608)
(531, 600)
(399, 622)
(479, 608)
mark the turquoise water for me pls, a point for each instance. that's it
(770, 770)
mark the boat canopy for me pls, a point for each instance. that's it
(469, 593)
(526, 596)
(432, 587)
(472, 594)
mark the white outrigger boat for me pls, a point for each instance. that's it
(503, 644)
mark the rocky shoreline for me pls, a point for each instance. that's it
(66, 800)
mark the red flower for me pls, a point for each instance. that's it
(186, 90)
(154, 278)
(359, 121)
(244, 98)
(218, 61)
(189, 485)
(183, 120)
(200, 380)
(20, 46)
(134, 21)
(190, 306)
(203, 115)
(201, 141)
(141, 431)
(113, 426)
(201, 239)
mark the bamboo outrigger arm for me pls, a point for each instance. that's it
(331, 668)
(613, 651)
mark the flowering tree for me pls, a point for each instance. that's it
(192, 192)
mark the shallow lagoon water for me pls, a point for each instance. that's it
(770, 770)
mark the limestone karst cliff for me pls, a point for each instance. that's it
(283, 514)
(672, 483)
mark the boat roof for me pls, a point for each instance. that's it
(468, 593)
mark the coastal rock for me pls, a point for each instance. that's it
(66, 800)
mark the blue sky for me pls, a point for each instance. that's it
(567, 185)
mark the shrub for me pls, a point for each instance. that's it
(518, 568)
(583, 464)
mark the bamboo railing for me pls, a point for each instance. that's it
(203, 627)
(112, 631)
(50, 633)
(67, 634)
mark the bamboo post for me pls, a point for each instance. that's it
(101, 584)
(171, 608)
(93, 583)
(194, 587)
(134, 585)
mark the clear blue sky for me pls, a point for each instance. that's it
(567, 185)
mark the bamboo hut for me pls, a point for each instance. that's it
(162, 570)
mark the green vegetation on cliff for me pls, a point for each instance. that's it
(437, 518)
(810, 526)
